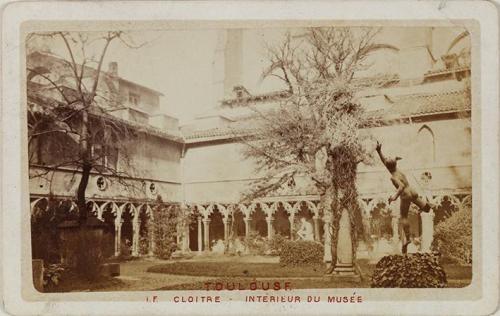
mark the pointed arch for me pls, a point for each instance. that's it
(457, 39)
(425, 145)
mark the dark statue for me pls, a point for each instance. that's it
(405, 192)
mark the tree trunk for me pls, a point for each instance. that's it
(85, 156)
(82, 188)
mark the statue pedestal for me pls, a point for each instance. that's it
(344, 268)
(427, 231)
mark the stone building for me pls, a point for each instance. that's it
(424, 104)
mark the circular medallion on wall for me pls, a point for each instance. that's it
(102, 184)
(152, 188)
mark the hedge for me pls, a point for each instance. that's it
(419, 270)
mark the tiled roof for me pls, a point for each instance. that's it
(402, 107)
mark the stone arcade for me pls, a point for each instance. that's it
(199, 166)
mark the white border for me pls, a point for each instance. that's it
(12, 182)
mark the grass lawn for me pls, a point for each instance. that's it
(306, 283)
(301, 277)
(237, 269)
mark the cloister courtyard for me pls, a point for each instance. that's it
(149, 274)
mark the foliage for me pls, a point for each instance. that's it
(143, 245)
(52, 275)
(69, 101)
(453, 236)
(275, 245)
(316, 131)
(255, 244)
(168, 220)
(419, 270)
(301, 252)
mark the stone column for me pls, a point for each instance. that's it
(327, 257)
(427, 231)
(135, 235)
(344, 265)
(118, 235)
(291, 218)
(316, 228)
(206, 235)
(270, 232)
(225, 220)
(395, 233)
(200, 236)
(186, 238)
(247, 226)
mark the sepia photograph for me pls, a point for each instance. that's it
(250, 158)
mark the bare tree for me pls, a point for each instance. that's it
(316, 132)
(68, 111)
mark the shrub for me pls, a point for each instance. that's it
(453, 237)
(255, 244)
(301, 252)
(167, 219)
(52, 275)
(276, 243)
(419, 270)
(143, 245)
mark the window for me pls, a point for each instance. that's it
(134, 98)
(106, 156)
(425, 146)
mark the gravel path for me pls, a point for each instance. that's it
(133, 277)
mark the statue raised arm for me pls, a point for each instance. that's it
(404, 191)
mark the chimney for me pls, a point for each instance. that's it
(113, 68)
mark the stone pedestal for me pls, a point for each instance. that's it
(344, 265)
(427, 231)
